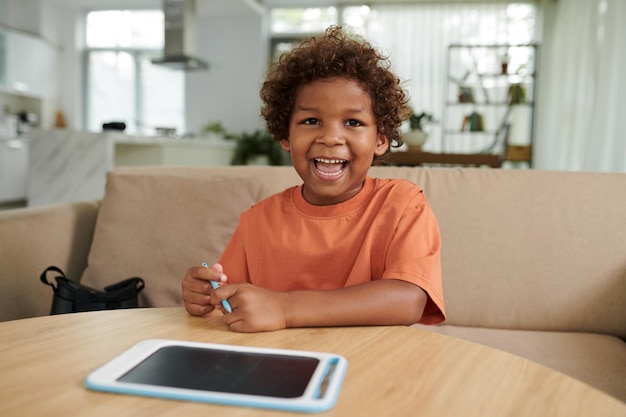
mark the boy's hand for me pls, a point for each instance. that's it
(197, 289)
(255, 309)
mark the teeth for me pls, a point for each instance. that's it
(327, 173)
(331, 174)
(330, 161)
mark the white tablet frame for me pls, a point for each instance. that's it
(105, 378)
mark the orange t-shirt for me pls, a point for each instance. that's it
(386, 231)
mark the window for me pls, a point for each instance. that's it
(122, 84)
(289, 26)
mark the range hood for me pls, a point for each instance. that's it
(180, 36)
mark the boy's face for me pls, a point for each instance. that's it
(333, 138)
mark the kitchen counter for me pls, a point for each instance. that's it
(68, 166)
(14, 156)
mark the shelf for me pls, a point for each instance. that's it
(494, 103)
(507, 75)
(417, 158)
(469, 132)
(499, 95)
(492, 46)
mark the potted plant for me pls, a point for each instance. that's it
(255, 145)
(256, 148)
(416, 136)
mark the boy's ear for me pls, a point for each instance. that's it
(382, 144)
(284, 143)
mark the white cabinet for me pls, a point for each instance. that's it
(28, 64)
(3, 60)
(14, 157)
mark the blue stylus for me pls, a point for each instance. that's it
(215, 285)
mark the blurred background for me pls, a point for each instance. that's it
(544, 75)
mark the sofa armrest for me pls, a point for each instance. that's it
(32, 239)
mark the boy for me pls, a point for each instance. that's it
(343, 248)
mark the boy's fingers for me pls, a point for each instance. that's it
(218, 268)
(207, 274)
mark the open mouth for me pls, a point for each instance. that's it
(330, 167)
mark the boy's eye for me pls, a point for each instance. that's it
(311, 121)
(353, 123)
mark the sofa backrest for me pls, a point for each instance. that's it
(522, 249)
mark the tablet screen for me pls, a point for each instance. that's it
(262, 374)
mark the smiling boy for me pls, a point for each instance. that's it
(333, 138)
(342, 248)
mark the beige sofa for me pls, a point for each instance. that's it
(534, 262)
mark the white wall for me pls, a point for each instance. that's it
(70, 80)
(229, 91)
(22, 14)
(542, 157)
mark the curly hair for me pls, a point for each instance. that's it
(334, 55)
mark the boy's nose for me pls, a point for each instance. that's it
(331, 136)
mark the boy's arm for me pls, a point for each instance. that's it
(380, 302)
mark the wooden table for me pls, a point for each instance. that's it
(393, 371)
(416, 158)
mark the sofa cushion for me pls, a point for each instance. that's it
(157, 226)
(595, 359)
(272, 179)
(530, 249)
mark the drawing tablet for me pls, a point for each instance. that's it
(281, 379)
